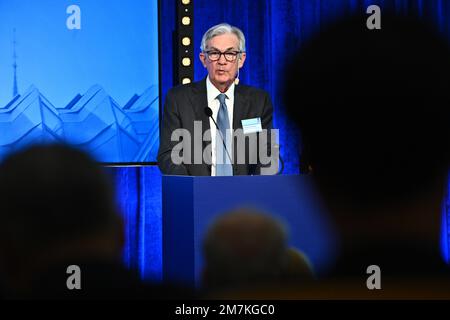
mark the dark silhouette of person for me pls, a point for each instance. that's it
(246, 250)
(57, 210)
(372, 107)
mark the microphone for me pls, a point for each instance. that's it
(209, 113)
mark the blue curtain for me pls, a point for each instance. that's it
(138, 194)
(274, 30)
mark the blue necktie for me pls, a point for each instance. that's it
(223, 163)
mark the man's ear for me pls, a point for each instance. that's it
(241, 60)
(202, 58)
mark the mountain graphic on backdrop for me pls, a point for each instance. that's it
(93, 122)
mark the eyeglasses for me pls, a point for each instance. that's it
(230, 56)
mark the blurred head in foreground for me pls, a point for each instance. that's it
(372, 107)
(246, 248)
(56, 205)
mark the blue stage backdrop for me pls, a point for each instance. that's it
(83, 72)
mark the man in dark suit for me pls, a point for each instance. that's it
(194, 109)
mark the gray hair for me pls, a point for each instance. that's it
(220, 29)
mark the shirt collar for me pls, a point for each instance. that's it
(213, 92)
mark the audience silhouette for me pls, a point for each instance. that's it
(372, 107)
(57, 210)
(246, 249)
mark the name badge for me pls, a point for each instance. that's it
(251, 125)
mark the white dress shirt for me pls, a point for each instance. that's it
(212, 93)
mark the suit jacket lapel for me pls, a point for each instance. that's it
(240, 112)
(241, 106)
(199, 101)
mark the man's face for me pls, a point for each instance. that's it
(222, 72)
